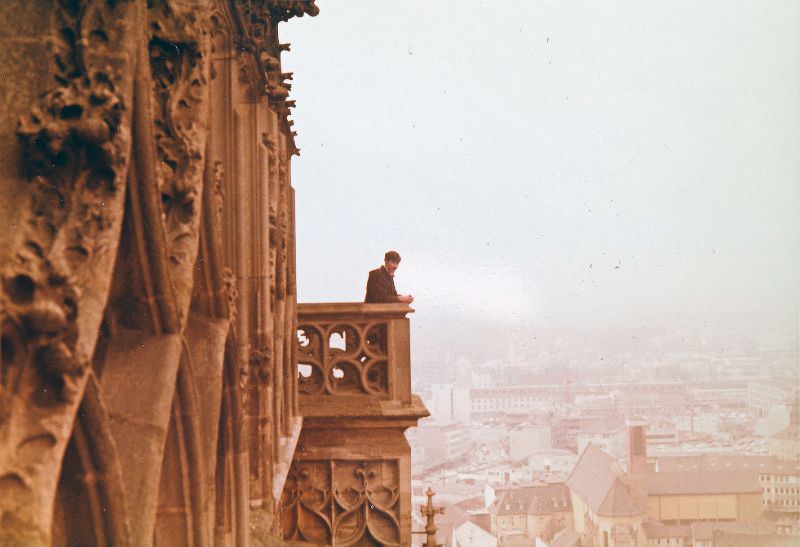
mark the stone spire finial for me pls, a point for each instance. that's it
(429, 512)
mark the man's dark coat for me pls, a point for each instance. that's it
(380, 286)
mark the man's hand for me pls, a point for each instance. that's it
(407, 298)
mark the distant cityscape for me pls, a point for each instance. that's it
(652, 446)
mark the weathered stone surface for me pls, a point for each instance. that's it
(350, 481)
(146, 367)
(57, 260)
(148, 374)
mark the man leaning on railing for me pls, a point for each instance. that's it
(380, 285)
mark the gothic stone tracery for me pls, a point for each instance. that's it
(343, 358)
(342, 502)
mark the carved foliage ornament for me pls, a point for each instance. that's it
(74, 154)
(282, 273)
(342, 502)
(75, 149)
(258, 22)
(283, 10)
(231, 292)
(257, 17)
(271, 144)
(178, 54)
(261, 364)
(218, 192)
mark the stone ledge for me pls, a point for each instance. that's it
(332, 311)
(360, 412)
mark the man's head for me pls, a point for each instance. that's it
(391, 261)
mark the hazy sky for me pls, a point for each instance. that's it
(552, 162)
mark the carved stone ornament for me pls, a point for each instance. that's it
(343, 359)
(218, 192)
(178, 50)
(261, 71)
(283, 10)
(75, 147)
(259, 18)
(231, 292)
(281, 243)
(340, 502)
(261, 365)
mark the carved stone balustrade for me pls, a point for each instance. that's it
(349, 351)
(350, 481)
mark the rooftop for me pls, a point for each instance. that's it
(518, 541)
(470, 534)
(533, 500)
(566, 538)
(711, 462)
(598, 480)
(702, 482)
(655, 529)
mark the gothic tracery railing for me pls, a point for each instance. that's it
(352, 349)
(350, 479)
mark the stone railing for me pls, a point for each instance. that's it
(354, 350)
(350, 480)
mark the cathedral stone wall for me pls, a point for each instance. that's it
(149, 386)
(148, 373)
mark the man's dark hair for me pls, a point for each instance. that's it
(394, 256)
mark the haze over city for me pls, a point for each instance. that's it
(597, 207)
(553, 164)
(203, 339)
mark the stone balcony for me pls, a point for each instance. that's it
(350, 479)
(354, 361)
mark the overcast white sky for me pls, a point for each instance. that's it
(552, 162)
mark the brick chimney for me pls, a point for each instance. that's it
(637, 446)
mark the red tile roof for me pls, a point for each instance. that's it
(566, 538)
(599, 481)
(534, 500)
